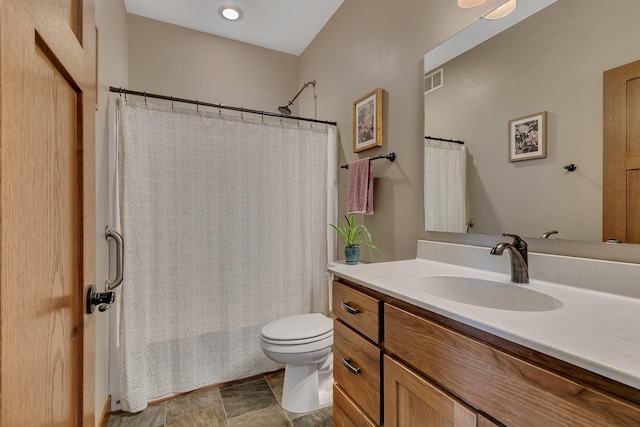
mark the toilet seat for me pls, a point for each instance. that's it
(296, 348)
(299, 329)
(298, 342)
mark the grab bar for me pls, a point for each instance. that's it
(104, 299)
(111, 234)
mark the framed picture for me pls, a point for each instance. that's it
(528, 137)
(367, 121)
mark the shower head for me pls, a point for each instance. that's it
(285, 110)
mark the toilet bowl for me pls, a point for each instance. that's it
(304, 344)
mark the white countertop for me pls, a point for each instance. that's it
(595, 330)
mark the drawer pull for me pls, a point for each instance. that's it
(350, 367)
(346, 307)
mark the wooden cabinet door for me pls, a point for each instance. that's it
(621, 154)
(47, 212)
(411, 401)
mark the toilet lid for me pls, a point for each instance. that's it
(298, 327)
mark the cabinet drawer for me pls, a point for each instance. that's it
(346, 413)
(357, 310)
(508, 389)
(356, 368)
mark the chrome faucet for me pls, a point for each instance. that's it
(549, 233)
(519, 257)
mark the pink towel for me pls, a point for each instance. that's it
(360, 193)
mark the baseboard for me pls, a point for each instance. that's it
(106, 412)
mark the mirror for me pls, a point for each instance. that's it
(553, 62)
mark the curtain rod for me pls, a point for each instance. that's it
(209, 104)
(391, 157)
(445, 140)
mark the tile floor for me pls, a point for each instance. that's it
(254, 402)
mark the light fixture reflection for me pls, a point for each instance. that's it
(230, 13)
(465, 4)
(502, 11)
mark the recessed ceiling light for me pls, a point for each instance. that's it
(230, 13)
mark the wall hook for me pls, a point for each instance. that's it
(571, 167)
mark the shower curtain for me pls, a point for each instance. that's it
(225, 226)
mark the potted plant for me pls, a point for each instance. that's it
(353, 236)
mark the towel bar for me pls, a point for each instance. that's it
(391, 157)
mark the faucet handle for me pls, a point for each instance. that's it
(517, 240)
(520, 245)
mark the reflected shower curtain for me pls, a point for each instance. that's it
(445, 186)
(225, 225)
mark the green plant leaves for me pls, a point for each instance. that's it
(352, 234)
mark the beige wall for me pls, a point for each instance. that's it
(175, 61)
(112, 70)
(378, 43)
(551, 62)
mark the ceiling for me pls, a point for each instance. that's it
(283, 25)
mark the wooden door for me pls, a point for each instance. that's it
(621, 157)
(411, 401)
(47, 212)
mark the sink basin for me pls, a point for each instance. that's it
(486, 293)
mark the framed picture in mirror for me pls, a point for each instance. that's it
(367, 121)
(528, 137)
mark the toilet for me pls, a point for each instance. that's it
(304, 344)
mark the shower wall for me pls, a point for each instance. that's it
(172, 60)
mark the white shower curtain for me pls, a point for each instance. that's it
(224, 220)
(445, 186)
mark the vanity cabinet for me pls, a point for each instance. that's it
(507, 388)
(436, 372)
